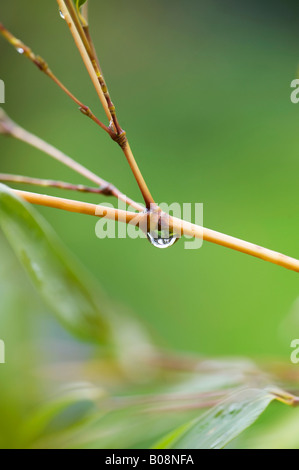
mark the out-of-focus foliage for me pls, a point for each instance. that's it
(219, 74)
(234, 125)
(222, 423)
(76, 306)
(87, 414)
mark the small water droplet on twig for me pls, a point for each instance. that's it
(161, 242)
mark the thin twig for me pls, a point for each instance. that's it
(178, 225)
(46, 183)
(84, 55)
(96, 76)
(87, 42)
(285, 397)
(43, 66)
(10, 128)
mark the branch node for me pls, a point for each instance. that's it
(120, 139)
(41, 63)
(107, 189)
(85, 110)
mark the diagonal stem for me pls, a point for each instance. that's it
(85, 57)
(106, 189)
(87, 42)
(43, 66)
(10, 128)
(90, 62)
(181, 226)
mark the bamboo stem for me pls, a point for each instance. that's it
(79, 207)
(88, 45)
(183, 227)
(148, 198)
(107, 190)
(43, 66)
(84, 55)
(91, 63)
(179, 226)
(236, 244)
(9, 127)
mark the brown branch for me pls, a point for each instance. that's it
(178, 225)
(106, 190)
(43, 66)
(91, 64)
(10, 128)
(87, 42)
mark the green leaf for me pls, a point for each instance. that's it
(220, 425)
(166, 441)
(55, 275)
(74, 394)
(79, 3)
(77, 301)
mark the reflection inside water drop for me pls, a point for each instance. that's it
(61, 15)
(157, 240)
(20, 50)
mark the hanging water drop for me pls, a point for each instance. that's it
(159, 241)
(61, 15)
(20, 50)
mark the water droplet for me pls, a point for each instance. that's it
(159, 241)
(20, 50)
(61, 15)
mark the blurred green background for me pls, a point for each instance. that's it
(203, 90)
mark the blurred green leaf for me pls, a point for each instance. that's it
(79, 3)
(123, 428)
(53, 272)
(77, 301)
(168, 440)
(278, 432)
(72, 396)
(216, 428)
